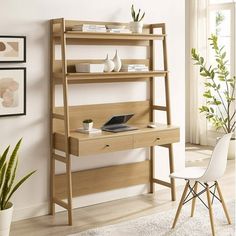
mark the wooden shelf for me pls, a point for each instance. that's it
(109, 76)
(111, 36)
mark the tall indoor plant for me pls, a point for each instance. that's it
(8, 167)
(219, 90)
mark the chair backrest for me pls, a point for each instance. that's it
(217, 164)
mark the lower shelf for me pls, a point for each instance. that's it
(103, 179)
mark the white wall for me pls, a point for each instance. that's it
(30, 18)
(187, 70)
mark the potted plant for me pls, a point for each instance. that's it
(136, 26)
(8, 187)
(219, 92)
(88, 124)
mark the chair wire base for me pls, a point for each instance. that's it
(194, 194)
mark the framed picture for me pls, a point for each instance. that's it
(12, 91)
(12, 49)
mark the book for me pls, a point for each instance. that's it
(92, 131)
(89, 68)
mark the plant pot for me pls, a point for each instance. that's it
(231, 152)
(136, 27)
(5, 220)
(88, 126)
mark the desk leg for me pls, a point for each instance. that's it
(52, 173)
(171, 163)
(69, 188)
(152, 169)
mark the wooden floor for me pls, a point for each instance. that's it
(121, 210)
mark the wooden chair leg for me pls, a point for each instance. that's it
(223, 203)
(210, 210)
(194, 200)
(180, 204)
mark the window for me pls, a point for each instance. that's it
(221, 22)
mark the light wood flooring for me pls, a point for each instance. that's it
(122, 210)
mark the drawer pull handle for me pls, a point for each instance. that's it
(157, 139)
(107, 145)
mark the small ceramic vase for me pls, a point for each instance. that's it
(108, 65)
(117, 62)
(136, 27)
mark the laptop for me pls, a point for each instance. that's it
(118, 124)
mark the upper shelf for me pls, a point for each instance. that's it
(111, 36)
(108, 76)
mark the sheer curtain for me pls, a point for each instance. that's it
(198, 40)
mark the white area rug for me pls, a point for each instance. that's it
(160, 224)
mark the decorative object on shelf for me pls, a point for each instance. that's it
(88, 124)
(8, 187)
(219, 92)
(117, 62)
(12, 91)
(12, 49)
(108, 65)
(89, 68)
(136, 26)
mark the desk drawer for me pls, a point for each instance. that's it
(156, 138)
(105, 145)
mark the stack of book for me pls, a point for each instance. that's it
(117, 29)
(91, 131)
(88, 68)
(89, 28)
(124, 31)
(134, 67)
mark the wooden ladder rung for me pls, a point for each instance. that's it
(161, 182)
(58, 116)
(160, 108)
(60, 203)
(59, 158)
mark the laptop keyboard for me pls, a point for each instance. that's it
(118, 127)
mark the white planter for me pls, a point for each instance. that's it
(136, 27)
(88, 126)
(5, 220)
(231, 152)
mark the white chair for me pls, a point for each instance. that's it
(204, 177)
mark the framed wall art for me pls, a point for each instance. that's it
(12, 91)
(12, 49)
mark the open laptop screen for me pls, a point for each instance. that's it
(119, 119)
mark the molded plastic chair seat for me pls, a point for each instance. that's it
(191, 173)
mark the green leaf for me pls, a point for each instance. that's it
(142, 16)
(17, 186)
(3, 157)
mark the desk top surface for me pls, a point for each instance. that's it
(142, 128)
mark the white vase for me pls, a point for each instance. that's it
(88, 126)
(108, 65)
(136, 27)
(117, 62)
(231, 152)
(5, 220)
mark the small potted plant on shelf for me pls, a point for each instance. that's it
(8, 187)
(219, 92)
(88, 124)
(136, 26)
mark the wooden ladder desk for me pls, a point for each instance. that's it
(64, 120)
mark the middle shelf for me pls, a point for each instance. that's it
(108, 76)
